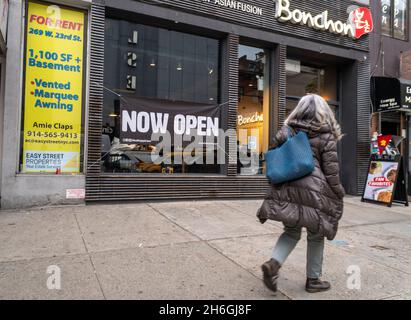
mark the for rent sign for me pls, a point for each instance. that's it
(53, 96)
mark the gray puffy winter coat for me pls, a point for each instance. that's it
(315, 201)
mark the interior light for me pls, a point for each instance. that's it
(113, 115)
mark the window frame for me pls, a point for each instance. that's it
(221, 167)
(391, 25)
(268, 83)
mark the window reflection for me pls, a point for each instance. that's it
(303, 79)
(148, 62)
(394, 15)
(386, 17)
(400, 19)
(252, 109)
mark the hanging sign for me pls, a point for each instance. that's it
(358, 24)
(385, 94)
(406, 94)
(141, 118)
(54, 60)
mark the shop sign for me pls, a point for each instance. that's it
(237, 5)
(53, 95)
(406, 94)
(385, 94)
(141, 118)
(256, 117)
(359, 22)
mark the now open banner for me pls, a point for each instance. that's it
(141, 118)
(53, 95)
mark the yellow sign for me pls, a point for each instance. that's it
(53, 89)
(256, 117)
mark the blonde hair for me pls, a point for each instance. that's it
(313, 108)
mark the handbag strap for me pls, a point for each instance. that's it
(290, 132)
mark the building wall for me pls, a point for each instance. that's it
(391, 58)
(405, 66)
(2, 75)
(386, 51)
(25, 190)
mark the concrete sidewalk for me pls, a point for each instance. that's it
(193, 250)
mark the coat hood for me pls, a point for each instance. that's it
(313, 129)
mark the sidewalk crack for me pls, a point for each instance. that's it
(90, 258)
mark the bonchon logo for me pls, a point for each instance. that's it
(361, 19)
(359, 22)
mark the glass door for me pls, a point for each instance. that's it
(253, 109)
(303, 79)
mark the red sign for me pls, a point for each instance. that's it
(380, 182)
(361, 18)
(383, 142)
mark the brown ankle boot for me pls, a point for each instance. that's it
(316, 285)
(270, 274)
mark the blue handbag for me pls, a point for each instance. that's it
(290, 161)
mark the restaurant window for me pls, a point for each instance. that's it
(162, 69)
(253, 109)
(303, 78)
(394, 15)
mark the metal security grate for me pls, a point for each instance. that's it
(96, 89)
(363, 123)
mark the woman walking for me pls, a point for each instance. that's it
(314, 202)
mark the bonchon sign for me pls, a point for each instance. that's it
(141, 118)
(358, 24)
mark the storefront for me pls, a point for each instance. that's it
(240, 56)
(391, 99)
(231, 71)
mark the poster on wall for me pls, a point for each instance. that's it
(53, 95)
(141, 118)
(381, 181)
